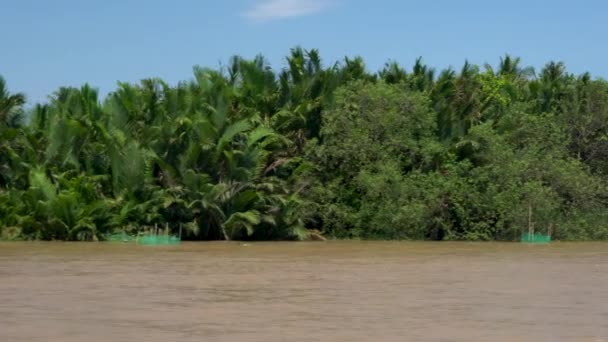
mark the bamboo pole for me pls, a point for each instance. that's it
(530, 225)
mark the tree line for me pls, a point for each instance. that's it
(247, 153)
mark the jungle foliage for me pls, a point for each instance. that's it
(248, 153)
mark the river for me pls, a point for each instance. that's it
(326, 291)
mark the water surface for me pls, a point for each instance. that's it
(334, 291)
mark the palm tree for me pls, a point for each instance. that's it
(221, 172)
(10, 105)
(393, 73)
(11, 114)
(551, 86)
(457, 100)
(255, 87)
(422, 77)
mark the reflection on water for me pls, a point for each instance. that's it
(334, 291)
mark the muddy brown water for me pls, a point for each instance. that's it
(334, 291)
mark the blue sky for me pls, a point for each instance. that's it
(47, 44)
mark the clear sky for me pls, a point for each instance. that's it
(50, 43)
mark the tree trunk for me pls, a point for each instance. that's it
(226, 237)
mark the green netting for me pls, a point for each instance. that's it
(147, 240)
(535, 238)
(158, 240)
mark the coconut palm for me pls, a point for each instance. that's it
(11, 133)
(10, 106)
(393, 73)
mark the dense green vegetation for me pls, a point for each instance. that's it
(247, 153)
